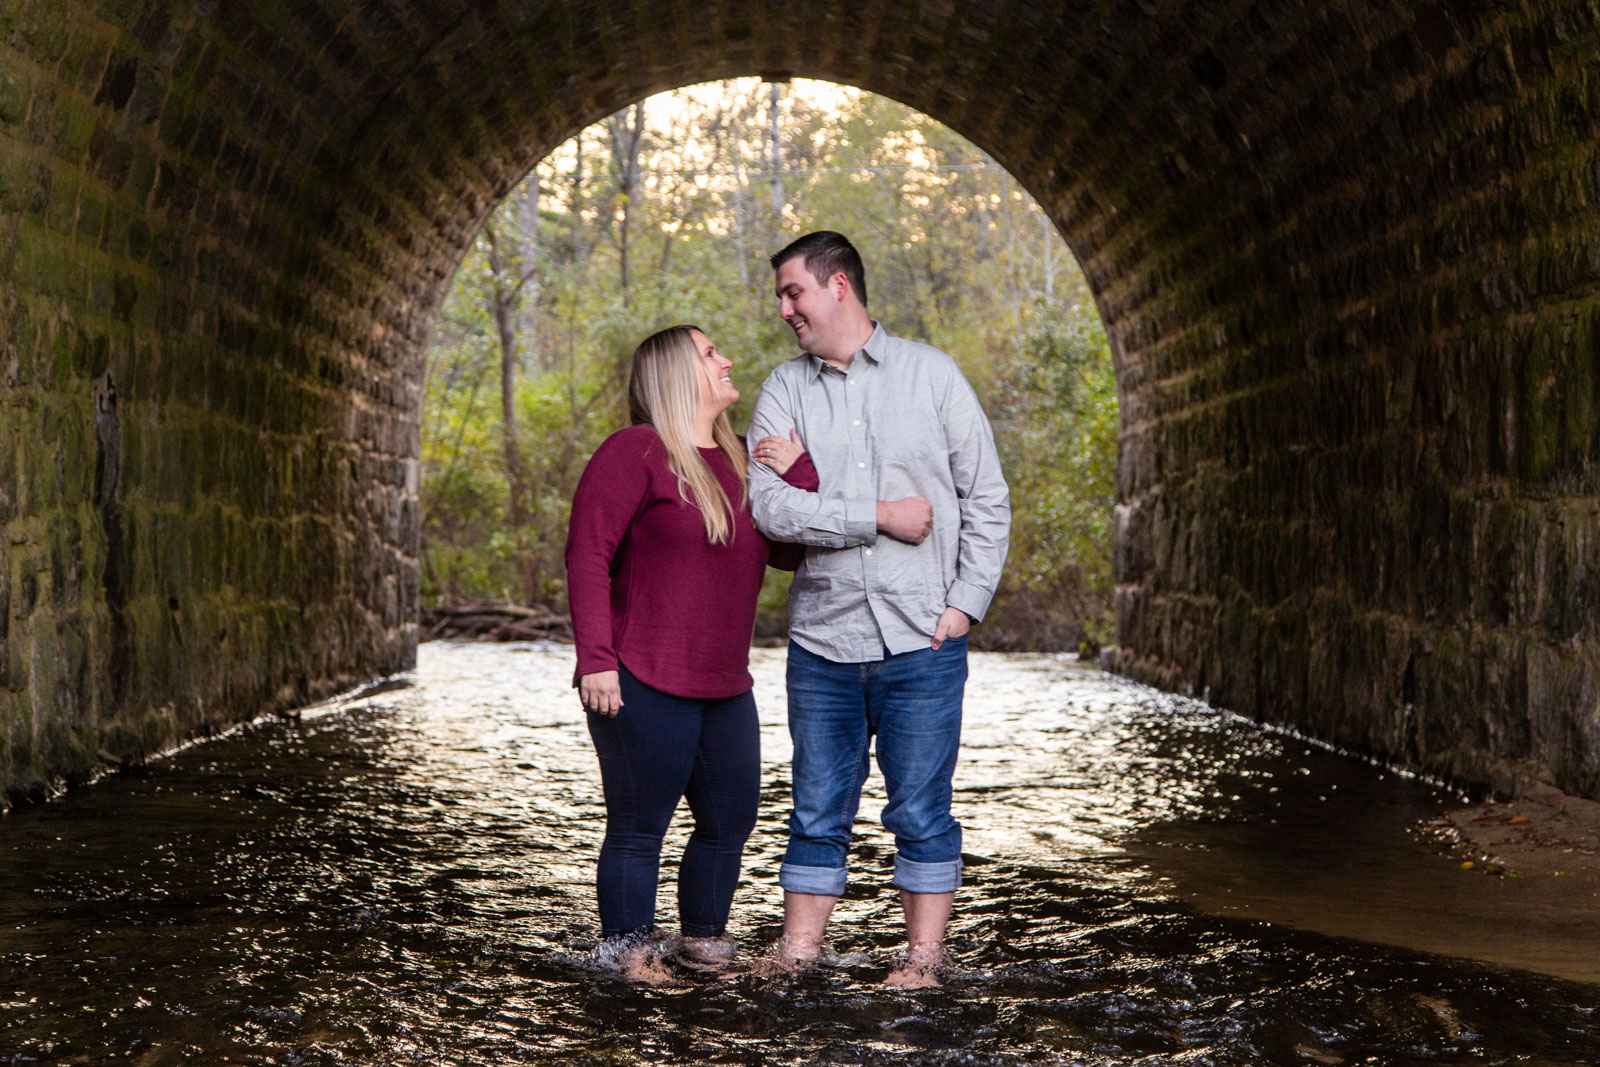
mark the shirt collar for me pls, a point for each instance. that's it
(875, 349)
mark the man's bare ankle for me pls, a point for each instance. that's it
(799, 948)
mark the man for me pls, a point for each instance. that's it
(907, 537)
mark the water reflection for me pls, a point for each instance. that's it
(407, 877)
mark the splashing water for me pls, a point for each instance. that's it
(407, 877)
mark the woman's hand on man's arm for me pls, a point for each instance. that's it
(779, 453)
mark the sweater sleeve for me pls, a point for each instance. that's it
(608, 499)
(802, 474)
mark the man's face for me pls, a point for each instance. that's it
(811, 310)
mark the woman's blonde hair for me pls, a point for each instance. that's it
(664, 393)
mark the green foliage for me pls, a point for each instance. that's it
(957, 255)
(1058, 436)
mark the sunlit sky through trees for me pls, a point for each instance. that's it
(677, 110)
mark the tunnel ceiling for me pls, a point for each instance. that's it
(1347, 254)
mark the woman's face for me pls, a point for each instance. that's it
(717, 393)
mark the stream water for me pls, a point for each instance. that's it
(405, 876)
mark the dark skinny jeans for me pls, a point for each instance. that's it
(657, 749)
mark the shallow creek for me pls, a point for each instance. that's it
(405, 876)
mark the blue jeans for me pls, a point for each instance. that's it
(660, 748)
(912, 702)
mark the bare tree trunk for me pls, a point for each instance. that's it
(503, 307)
(777, 155)
(576, 204)
(1049, 260)
(740, 208)
(1011, 257)
(626, 139)
(528, 223)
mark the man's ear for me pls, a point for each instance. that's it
(839, 284)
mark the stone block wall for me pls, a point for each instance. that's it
(208, 501)
(1348, 253)
(1360, 462)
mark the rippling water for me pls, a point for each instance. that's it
(406, 877)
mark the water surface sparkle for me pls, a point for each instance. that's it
(407, 877)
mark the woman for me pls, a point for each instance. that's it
(663, 569)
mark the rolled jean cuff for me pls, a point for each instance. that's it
(915, 877)
(820, 881)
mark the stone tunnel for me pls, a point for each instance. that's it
(1348, 254)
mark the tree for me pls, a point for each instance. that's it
(580, 263)
(625, 137)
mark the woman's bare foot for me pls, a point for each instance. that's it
(711, 954)
(920, 968)
(635, 957)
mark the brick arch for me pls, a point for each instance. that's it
(1347, 254)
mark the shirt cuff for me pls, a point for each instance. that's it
(861, 519)
(969, 598)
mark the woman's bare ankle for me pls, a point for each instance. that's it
(716, 950)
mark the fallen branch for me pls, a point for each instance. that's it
(492, 621)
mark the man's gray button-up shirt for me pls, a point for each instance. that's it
(901, 422)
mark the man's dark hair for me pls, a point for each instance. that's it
(826, 254)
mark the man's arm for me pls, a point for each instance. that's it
(802, 474)
(784, 513)
(984, 499)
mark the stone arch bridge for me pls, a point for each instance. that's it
(1348, 253)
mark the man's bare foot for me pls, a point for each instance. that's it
(907, 977)
(792, 954)
(920, 968)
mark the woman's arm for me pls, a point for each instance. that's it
(802, 474)
(607, 500)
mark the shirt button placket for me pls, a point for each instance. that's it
(855, 403)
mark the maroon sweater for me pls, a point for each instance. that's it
(645, 585)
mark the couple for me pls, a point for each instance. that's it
(896, 520)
